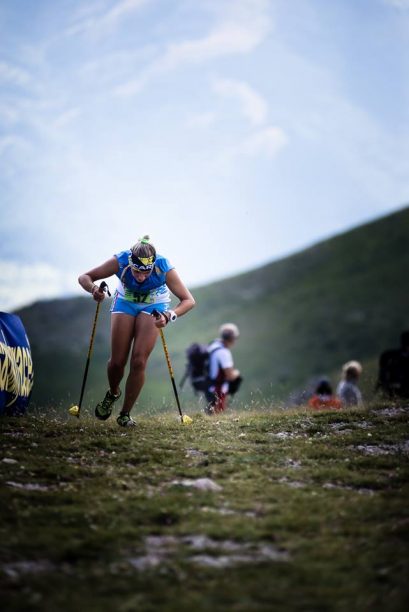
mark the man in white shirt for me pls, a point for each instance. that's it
(224, 377)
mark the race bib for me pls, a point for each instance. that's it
(154, 296)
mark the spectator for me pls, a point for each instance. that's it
(393, 376)
(323, 397)
(224, 377)
(347, 390)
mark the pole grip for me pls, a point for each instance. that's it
(104, 287)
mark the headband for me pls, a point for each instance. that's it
(141, 264)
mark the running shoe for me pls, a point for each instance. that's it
(103, 410)
(124, 420)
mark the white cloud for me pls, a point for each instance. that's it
(243, 27)
(240, 29)
(35, 282)
(97, 21)
(201, 120)
(399, 4)
(8, 114)
(15, 143)
(66, 117)
(227, 39)
(111, 67)
(268, 141)
(14, 75)
(253, 105)
(122, 9)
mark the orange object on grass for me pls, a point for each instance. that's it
(324, 402)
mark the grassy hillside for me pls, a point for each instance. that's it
(301, 317)
(255, 511)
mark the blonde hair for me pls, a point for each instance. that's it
(352, 368)
(143, 248)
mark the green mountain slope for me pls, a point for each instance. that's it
(300, 317)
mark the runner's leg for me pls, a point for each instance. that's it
(122, 333)
(145, 336)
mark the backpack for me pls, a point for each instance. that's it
(197, 367)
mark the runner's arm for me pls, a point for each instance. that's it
(178, 288)
(105, 270)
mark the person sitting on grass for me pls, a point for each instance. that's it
(393, 377)
(347, 390)
(146, 280)
(323, 397)
(224, 378)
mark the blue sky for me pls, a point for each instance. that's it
(234, 132)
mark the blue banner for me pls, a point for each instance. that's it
(16, 366)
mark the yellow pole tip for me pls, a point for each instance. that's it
(186, 420)
(74, 410)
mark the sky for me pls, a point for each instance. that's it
(233, 132)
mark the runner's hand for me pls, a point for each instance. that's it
(161, 321)
(97, 293)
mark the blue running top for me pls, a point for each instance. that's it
(130, 287)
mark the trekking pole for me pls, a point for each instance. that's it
(183, 417)
(76, 410)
